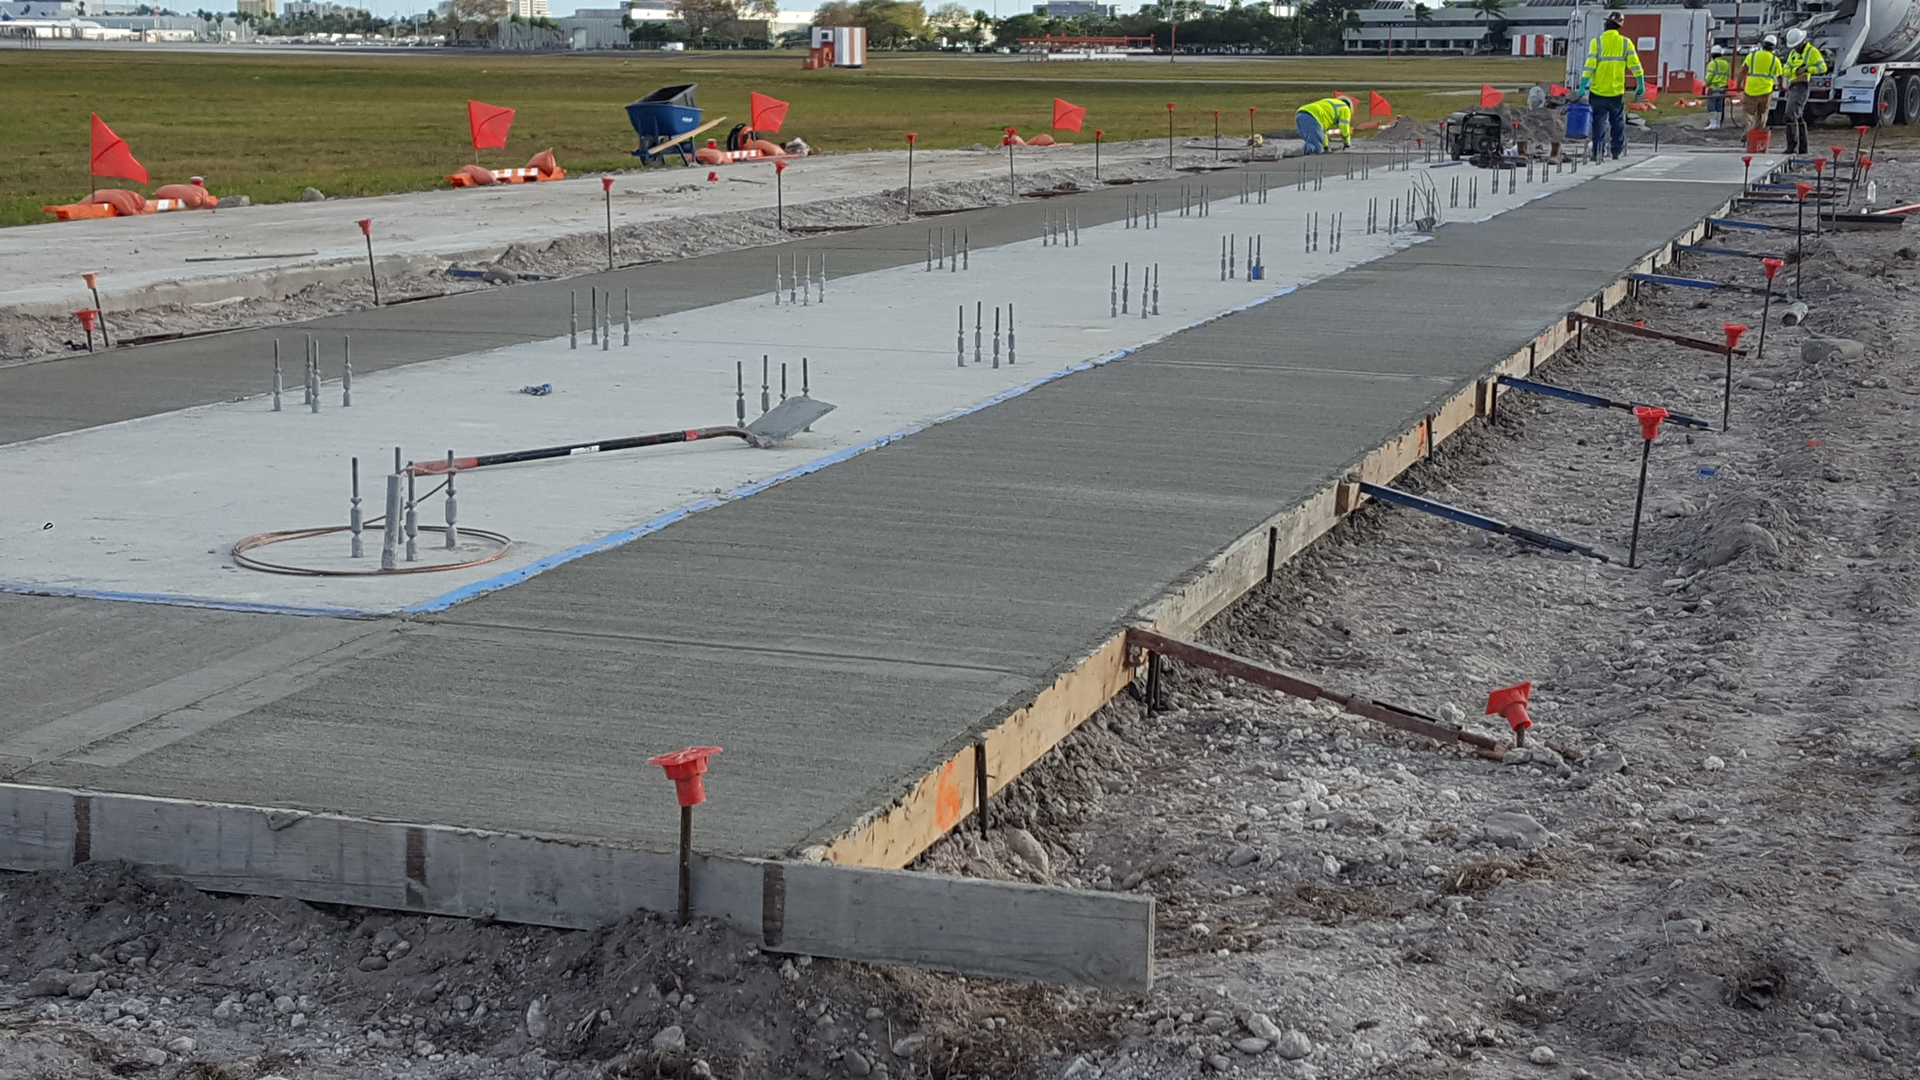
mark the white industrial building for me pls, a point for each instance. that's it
(1390, 26)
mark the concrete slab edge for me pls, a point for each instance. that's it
(997, 929)
(930, 806)
(22, 588)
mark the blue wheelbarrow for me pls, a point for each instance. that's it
(667, 121)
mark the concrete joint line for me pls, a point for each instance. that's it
(191, 702)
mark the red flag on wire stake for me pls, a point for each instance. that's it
(488, 124)
(1377, 105)
(1489, 97)
(1067, 115)
(768, 113)
(111, 156)
(1556, 89)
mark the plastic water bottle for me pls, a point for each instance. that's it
(1873, 192)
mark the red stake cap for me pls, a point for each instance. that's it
(1419, 142)
(1250, 110)
(1866, 163)
(912, 135)
(1169, 106)
(1819, 166)
(1772, 266)
(684, 768)
(1800, 190)
(93, 280)
(86, 317)
(1649, 417)
(366, 226)
(712, 176)
(779, 167)
(1861, 128)
(1216, 114)
(1511, 703)
(1733, 331)
(606, 183)
(1746, 159)
(1097, 133)
(1836, 151)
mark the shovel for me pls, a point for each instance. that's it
(774, 427)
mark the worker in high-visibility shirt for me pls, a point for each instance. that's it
(1803, 62)
(1317, 120)
(1719, 73)
(1764, 69)
(1611, 57)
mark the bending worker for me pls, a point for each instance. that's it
(1719, 73)
(1611, 57)
(1317, 120)
(1803, 62)
(1763, 70)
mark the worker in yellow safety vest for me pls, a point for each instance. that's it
(1803, 62)
(1764, 69)
(1318, 121)
(1611, 57)
(1719, 74)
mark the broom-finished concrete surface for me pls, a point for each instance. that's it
(838, 633)
(151, 507)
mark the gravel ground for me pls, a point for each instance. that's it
(1705, 864)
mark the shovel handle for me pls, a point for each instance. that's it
(429, 468)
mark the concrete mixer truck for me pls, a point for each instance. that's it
(1873, 52)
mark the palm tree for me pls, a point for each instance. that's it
(1489, 10)
(1422, 16)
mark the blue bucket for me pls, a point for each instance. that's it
(1579, 120)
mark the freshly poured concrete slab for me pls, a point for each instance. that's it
(151, 507)
(842, 632)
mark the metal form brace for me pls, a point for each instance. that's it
(1155, 645)
(1480, 521)
(1595, 400)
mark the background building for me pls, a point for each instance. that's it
(1395, 26)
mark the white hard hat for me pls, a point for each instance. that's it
(1719, 50)
(1770, 41)
(1796, 37)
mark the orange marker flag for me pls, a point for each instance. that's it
(1067, 115)
(111, 156)
(1377, 105)
(1653, 95)
(768, 113)
(1489, 97)
(488, 124)
(1556, 89)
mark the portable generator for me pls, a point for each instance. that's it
(1480, 137)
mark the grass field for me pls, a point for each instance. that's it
(268, 125)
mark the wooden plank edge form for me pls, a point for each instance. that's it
(997, 929)
(933, 805)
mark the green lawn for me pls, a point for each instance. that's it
(268, 125)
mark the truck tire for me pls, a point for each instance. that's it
(1886, 102)
(1909, 100)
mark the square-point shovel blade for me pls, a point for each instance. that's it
(787, 419)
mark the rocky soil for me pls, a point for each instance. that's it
(1703, 865)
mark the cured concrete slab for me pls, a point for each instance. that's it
(150, 507)
(210, 256)
(841, 632)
